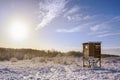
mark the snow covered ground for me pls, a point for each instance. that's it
(31, 70)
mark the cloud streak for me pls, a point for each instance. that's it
(50, 9)
(97, 33)
(104, 29)
(108, 34)
(71, 30)
(72, 11)
(76, 29)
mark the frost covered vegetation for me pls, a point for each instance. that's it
(28, 64)
(21, 54)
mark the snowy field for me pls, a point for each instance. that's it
(48, 70)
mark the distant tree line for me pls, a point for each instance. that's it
(20, 54)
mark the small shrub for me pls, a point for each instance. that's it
(57, 60)
(39, 59)
(42, 59)
(49, 59)
(26, 57)
(13, 60)
(64, 60)
(74, 53)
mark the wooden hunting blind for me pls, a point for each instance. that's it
(92, 54)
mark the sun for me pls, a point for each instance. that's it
(18, 30)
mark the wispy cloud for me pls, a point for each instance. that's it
(79, 28)
(116, 18)
(75, 29)
(75, 13)
(99, 27)
(76, 17)
(103, 29)
(106, 24)
(108, 34)
(95, 28)
(79, 17)
(71, 11)
(50, 9)
(98, 33)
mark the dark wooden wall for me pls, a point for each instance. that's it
(92, 50)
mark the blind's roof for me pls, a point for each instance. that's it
(96, 42)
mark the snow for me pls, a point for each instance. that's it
(28, 70)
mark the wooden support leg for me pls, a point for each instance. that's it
(100, 62)
(83, 62)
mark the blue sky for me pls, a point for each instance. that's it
(63, 24)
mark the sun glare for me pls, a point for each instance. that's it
(18, 30)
